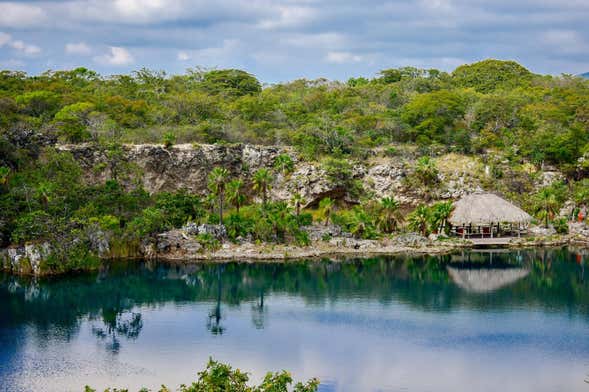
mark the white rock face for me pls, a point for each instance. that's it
(187, 166)
(25, 259)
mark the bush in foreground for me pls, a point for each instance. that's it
(219, 377)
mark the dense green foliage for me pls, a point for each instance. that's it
(219, 377)
(490, 104)
(491, 108)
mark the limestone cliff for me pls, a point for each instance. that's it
(186, 166)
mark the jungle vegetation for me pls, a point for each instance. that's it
(492, 108)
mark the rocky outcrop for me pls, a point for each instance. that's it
(183, 166)
(25, 259)
(187, 166)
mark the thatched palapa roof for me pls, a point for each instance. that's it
(484, 209)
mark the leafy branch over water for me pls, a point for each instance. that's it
(219, 377)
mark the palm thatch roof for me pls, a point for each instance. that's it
(484, 209)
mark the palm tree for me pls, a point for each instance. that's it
(547, 205)
(235, 193)
(390, 217)
(217, 181)
(419, 219)
(426, 171)
(4, 173)
(361, 225)
(440, 212)
(262, 183)
(297, 200)
(283, 163)
(326, 207)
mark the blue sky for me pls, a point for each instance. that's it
(288, 39)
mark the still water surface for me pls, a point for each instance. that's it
(515, 321)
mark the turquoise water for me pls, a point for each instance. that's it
(514, 321)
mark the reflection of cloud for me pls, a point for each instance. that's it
(353, 345)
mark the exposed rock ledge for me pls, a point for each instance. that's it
(25, 259)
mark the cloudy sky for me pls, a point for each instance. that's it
(287, 39)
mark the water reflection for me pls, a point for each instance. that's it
(417, 306)
(214, 320)
(487, 271)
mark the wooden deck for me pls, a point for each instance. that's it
(499, 241)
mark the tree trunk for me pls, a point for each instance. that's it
(221, 208)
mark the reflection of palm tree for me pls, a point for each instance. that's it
(118, 323)
(258, 312)
(214, 321)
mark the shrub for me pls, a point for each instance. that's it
(208, 241)
(32, 226)
(150, 221)
(169, 139)
(561, 226)
(219, 377)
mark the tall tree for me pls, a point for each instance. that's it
(326, 208)
(297, 201)
(419, 219)
(235, 194)
(217, 181)
(546, 205)
(263, 183)
(440, 212)
(390, 216)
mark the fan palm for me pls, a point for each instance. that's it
(326, 207)
(4, 173)
(283, 163)
(217, 181)
(235, 193)
(419, 219)
(546, 205)
(390, 216)
(440, 213)
(298, 201)
(262, 183)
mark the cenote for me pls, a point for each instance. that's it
(479, 321)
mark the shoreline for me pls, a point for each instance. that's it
(337, 249)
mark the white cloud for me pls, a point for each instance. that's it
(566, 41)
(18, 45)
(116, 56)
(213, 56)
(342, 57)
(288, 16)
(16, 15)
(4, 38)
(25, 48)
(316, 40)
(11, 64)
(80, 48)
(183, 56)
